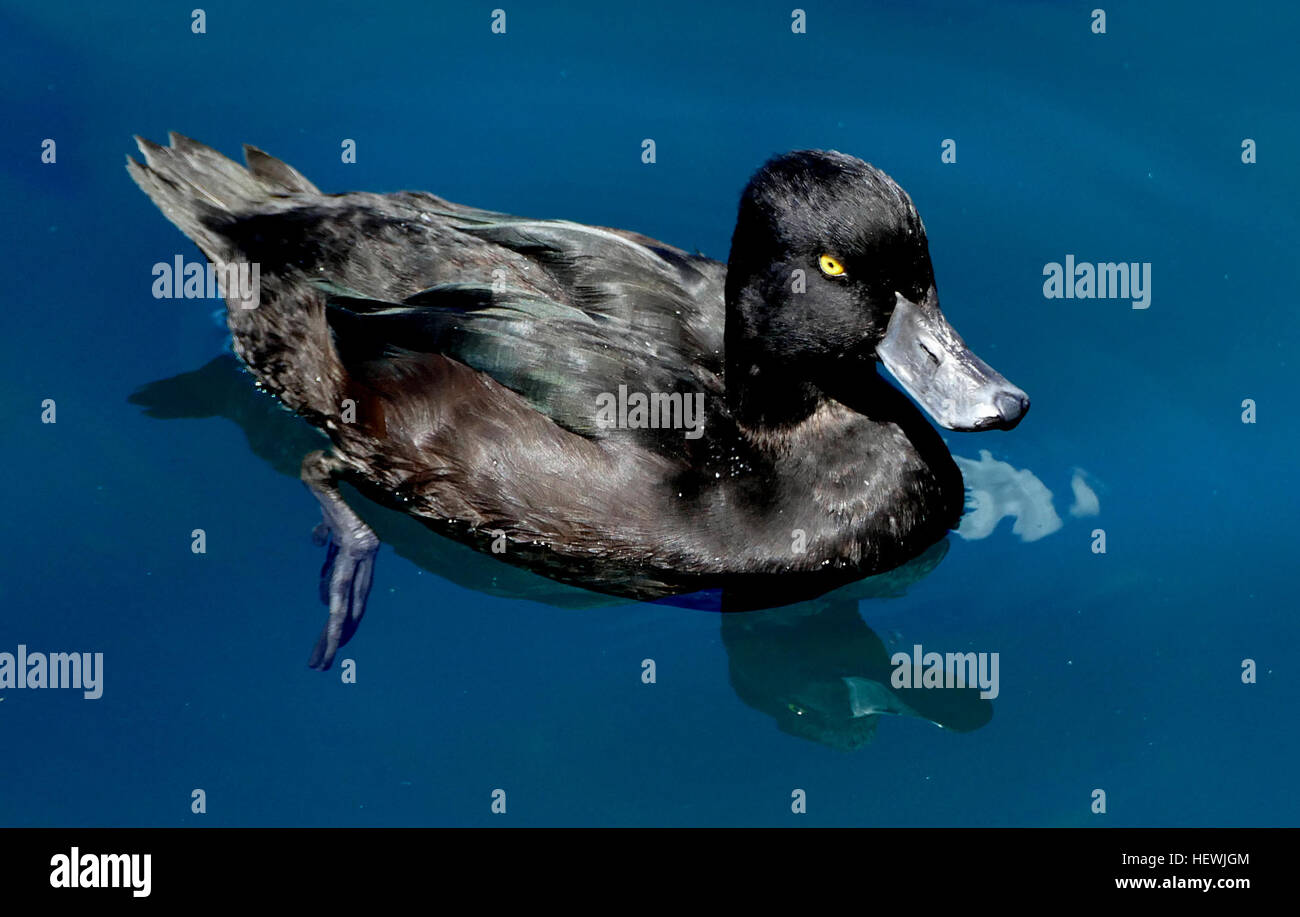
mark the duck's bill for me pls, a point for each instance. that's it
(933, 365)
(871, 698)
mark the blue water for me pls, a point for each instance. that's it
(1118, 671)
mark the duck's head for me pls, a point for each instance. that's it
(829, 272)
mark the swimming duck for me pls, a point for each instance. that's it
(596, 405)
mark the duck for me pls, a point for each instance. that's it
(600, 407)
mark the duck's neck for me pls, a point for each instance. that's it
(761, 397)
(761, 393)
(773, 403)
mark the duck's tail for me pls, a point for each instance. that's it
(201, 191)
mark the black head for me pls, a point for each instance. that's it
(826, 248)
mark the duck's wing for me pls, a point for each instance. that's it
(568, 363)
(599, 309)
(669, 295)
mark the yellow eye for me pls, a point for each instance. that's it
(830, 266)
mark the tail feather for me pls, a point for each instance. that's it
(277, 176)
(200, 190)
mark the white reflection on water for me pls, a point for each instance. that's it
(995, 490)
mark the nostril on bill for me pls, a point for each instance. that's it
(1011, 406)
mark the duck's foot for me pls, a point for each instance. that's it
(349, 559)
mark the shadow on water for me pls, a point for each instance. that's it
(814, 666)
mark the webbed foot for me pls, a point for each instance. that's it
(349, 561)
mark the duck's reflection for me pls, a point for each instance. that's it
(822, 674)
(814, 667)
